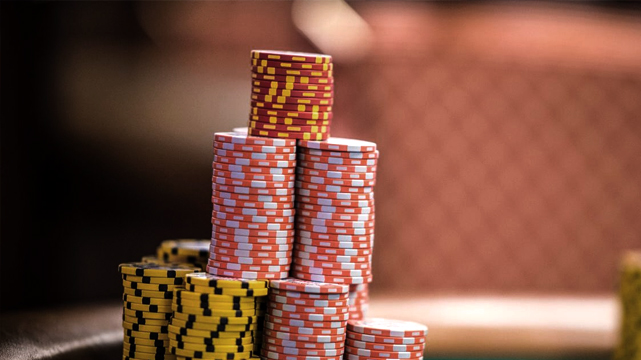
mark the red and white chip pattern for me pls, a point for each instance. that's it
(378, 338)
(253, 215)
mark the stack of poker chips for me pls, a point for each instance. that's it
(216, 317)
(630, 296)
(292, 95)
(148, 292)
(377, 338)
(184, 251)
(335, 207)
(358, 301)
(253, 215)
(305, 320)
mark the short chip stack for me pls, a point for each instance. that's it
(305, 320)
(630, 296)
(378, 338)
(215, 317)
(358, 301)
(292, 95)
(335, 201)
(148, 292)
(253, 215)
(184, 251)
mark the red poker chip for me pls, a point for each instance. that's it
(329, 320)
(318, 116)
(383, 354)
(334, 279)
(335, 244)
(303, 309)
(292, 86)
(333, 251)
(253, 169)
(252, 247)
(263, 149)
(294, 79)
(274, 99)
(339, 154)
(303, 351)
(305, 330)
(293, 93)
(252, 191)
(286, 321)
(334, 202)
(308, 303)
(291, 56)
(340, 144)
(309, 296)
(331, 265)
(332, 258)
(253, 232)
(384, 347)
(386, 339)
(265, 354)
(335, 174)
(308, 287)
(261, 261)
(252, 225)
(255, 176)
(336, 217)
(335, 223)
(292, 65)
(258, 184)
(323, 189)
(288, 121)
(288, 128)
(290, 135)
(254, 212)
(268, 340)
(251, 197)
(255, 162)
(287, 240)
(250, 253)
(246, 274)
(334, 230)
(235, 138)
(332, 272)
(244, 267)
(342, 168)
(336, 182)
(336, 160)
(255, 155)
(388, 328)
(292, 107)
(336, 237)
(266, 205)
(252, 218)
(282, 335)
(291, 72)
(335, 209)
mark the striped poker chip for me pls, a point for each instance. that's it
(292, 284)
(387, 327)
(340, 144)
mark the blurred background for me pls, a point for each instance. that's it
(509, 134)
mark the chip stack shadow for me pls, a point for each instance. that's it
(292, 95)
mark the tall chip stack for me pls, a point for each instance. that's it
(335, 206)
(292, 95)
(305, 320)
(378, 338)
(253, 201)
(630, 296)
(216, 317)
(148, 293)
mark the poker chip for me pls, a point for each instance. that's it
(284, 317)
(251, 239)
(333, 258)
(223, 265)
(264, 149)
(254, 162)
(280, 178)
(143, 321)
(387, 328)
(334, 244)
(290, 72)
(288, 121)
(325, 310)
(148, 286)
(252, 169)
(275, 226)
(240, 320)
(250, 155)
(153, 280)
(315, 296)
(336, 160)
(250, 260)
(147, 308)
(303, 351)
(292, 65)
(335, 223)
(336, 217)
(336, 339)
(335, 188)
(335, 209)
(315, 303)
(213, 326)
(145, 328)
(278, 356)
(291, 86)
(277, 99)
(335, 202)
(247, 274)
(251, 218)
(338, 154)
(304, 330)
(332, 272)
(253, 198)
(244, 341)
(253, 247)
(290, 107)
(225, 291)
(253, 232)
(340, 144)
(293, 79)
(291, 114)
(333, 251)
(383, 347)
(302, 344)
(250, 253)
(223, 137)
(252, 204)
(215, 305)
(345, 175)
(257, 184)
(255, 212)
(145, 342)
(292, 93)
(289, 128)
(146, 314)
(208, 355)
(329, 278)
(155, 270)
(207, 297)
(287, 134)
(204, 279)
(332, 167)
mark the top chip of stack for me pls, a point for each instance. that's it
(292, 95)
(384, 339)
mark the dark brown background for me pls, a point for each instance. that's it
(510, 138)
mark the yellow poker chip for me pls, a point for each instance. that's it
(209, 355)
(205, 279)
(149, 293)
(155, 270)
(152, 287)
(146, 314)
(213, 327)
(146, 335)
(146, 342)
(241, 320)
(161, 329)
(154, 280)
(211, 348)
(212, 312)
(146, 300)
(128, 348)
(142, 321)
(147, 308)
(208, 334)
(148, 356)
(215, 305)
(228, 299)
(211, 341)
(226, 291)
